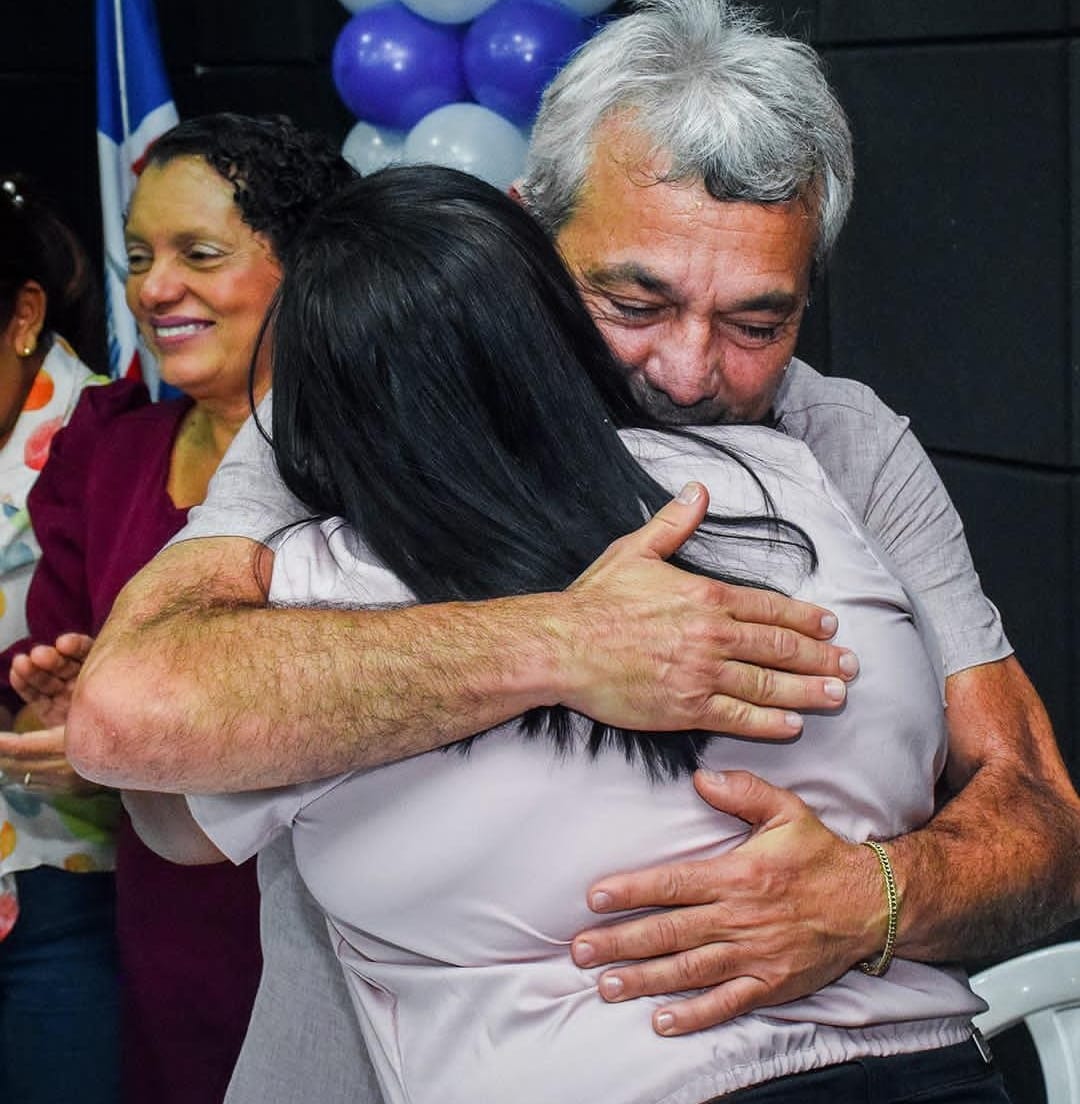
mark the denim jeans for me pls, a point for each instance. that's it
(950, 1075)
(59, 1004)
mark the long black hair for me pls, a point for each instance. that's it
(439, 384)
(35, 244)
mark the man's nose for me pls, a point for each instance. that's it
(685, 365)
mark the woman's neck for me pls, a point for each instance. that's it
(205, 434)
(212, 428)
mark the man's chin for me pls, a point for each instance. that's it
(698, 414)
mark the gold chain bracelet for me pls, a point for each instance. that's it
(876, 969)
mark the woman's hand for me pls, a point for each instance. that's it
(36, 761)
(45, 677)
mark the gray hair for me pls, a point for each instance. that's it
(747, 112)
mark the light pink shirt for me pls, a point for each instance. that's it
(453, 884)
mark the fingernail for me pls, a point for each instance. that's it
(713, 775)
(583, 953)
(793, 721)
(689, 494)
(849, 664)
(834, 689)
(599, 901)
(611, 987)
(664, 1021)
(829, 623)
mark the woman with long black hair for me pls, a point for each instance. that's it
(447, 409)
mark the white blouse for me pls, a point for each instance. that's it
(453, 883)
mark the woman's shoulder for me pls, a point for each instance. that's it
(108, 401)
(327, 563)
(734, 461)
(125, 409)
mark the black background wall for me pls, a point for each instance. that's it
(952, 290)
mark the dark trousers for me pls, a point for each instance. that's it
(59, 1005)
(951, 1075)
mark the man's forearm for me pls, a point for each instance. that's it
(999, 865)
(194, 685)
(300, 693)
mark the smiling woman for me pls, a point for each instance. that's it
(212, 217)
(199, 279)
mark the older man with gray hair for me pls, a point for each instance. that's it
(693, 169)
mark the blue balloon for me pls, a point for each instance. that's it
(471, 138)
(449, 11)
(392, 68)
(514, 49)
(354, 6)
(368, 147)
(582, 7)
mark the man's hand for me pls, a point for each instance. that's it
(45, 676)
(794, 906)
(708, 655)
(783, 914)
(36, 761)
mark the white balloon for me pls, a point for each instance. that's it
(472, 138)
(449, 11)
(360, 5)
(368, 147)
(587, 7)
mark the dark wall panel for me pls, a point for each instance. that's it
(38, 109)
(1018, 524)
(305, 93)
(1069, 538)
(48, 36)
(947, 292)
(791, 17)
(888, 20)
(1073, 299)
(208, 32)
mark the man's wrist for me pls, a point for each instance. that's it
(879, 965)
(873, 908)
(536, 665)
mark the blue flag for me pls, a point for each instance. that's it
(134, 106)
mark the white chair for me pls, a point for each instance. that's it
(1041, 988)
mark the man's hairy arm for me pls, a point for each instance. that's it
(796, 906)
(194, 685)
(999, 865)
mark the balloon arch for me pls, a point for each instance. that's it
(456, 82)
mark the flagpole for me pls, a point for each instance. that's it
(125, 132)
(121, 67)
